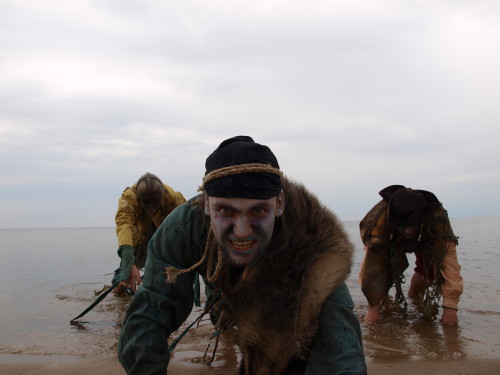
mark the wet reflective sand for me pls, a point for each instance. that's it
(411, 345)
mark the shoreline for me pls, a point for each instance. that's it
(109, 365)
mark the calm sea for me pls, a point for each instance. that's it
(50, 275)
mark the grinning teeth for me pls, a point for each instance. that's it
(241, 243)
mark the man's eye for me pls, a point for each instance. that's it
(224, 212)
(259, 211)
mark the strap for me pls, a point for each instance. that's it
(208, 305)
(99, 299)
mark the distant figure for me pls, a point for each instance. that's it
(410, 221)
(275, 259)
(141, 209)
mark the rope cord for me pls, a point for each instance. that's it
(208, 305)
(238, 169)
(399, 298)
(211, 249)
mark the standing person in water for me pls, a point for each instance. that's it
(141, 209)
(276, 260)
(410, 221)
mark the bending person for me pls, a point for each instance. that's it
(141, 209)
(410, 221)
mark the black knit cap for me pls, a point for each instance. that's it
(254, 185)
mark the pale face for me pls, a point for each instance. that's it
(243, 227)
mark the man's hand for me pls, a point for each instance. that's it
(134, 279)
(132, 283)
(449, 317)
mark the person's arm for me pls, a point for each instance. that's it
(126, 231)
(159, 308)
(127, 275)
(338, 349)
(453, 284)
(171, 199)
(126, 218)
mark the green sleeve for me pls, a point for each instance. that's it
(127, 260)
(338, 350)
(159, 308)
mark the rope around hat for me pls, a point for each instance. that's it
(238, 169)
(211, 249)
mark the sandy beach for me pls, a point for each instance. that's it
(109, 365)
(188, 360)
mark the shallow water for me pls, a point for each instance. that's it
(51, 275)
(477, 334)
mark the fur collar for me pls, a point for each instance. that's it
(277, 302)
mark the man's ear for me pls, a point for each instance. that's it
(207, 206)
(280, 204)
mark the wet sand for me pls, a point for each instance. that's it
(36, 337)
(188, 360)
(108, 365)
(393, 346)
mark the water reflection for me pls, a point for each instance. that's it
(411, 337)
(197, 347)
(394, 338)
(228, 353)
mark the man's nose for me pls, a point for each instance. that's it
(242, 228)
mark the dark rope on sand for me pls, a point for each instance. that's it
(99, 299)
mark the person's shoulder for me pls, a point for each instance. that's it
(298, 197)
(373, 226)
(187, 223)
(374, 213)
(188, 212)
(129, 191)
(304, 209)
(440, 225)
(129, 197)
(170, 194)
(169, 189)
(341, 295)
(438, 216)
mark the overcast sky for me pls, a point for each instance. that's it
(352, 96)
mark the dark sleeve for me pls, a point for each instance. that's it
(338, 350)
(159, 308)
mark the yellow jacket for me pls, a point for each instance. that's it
(133, 226)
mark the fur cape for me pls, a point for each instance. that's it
(275, 304)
